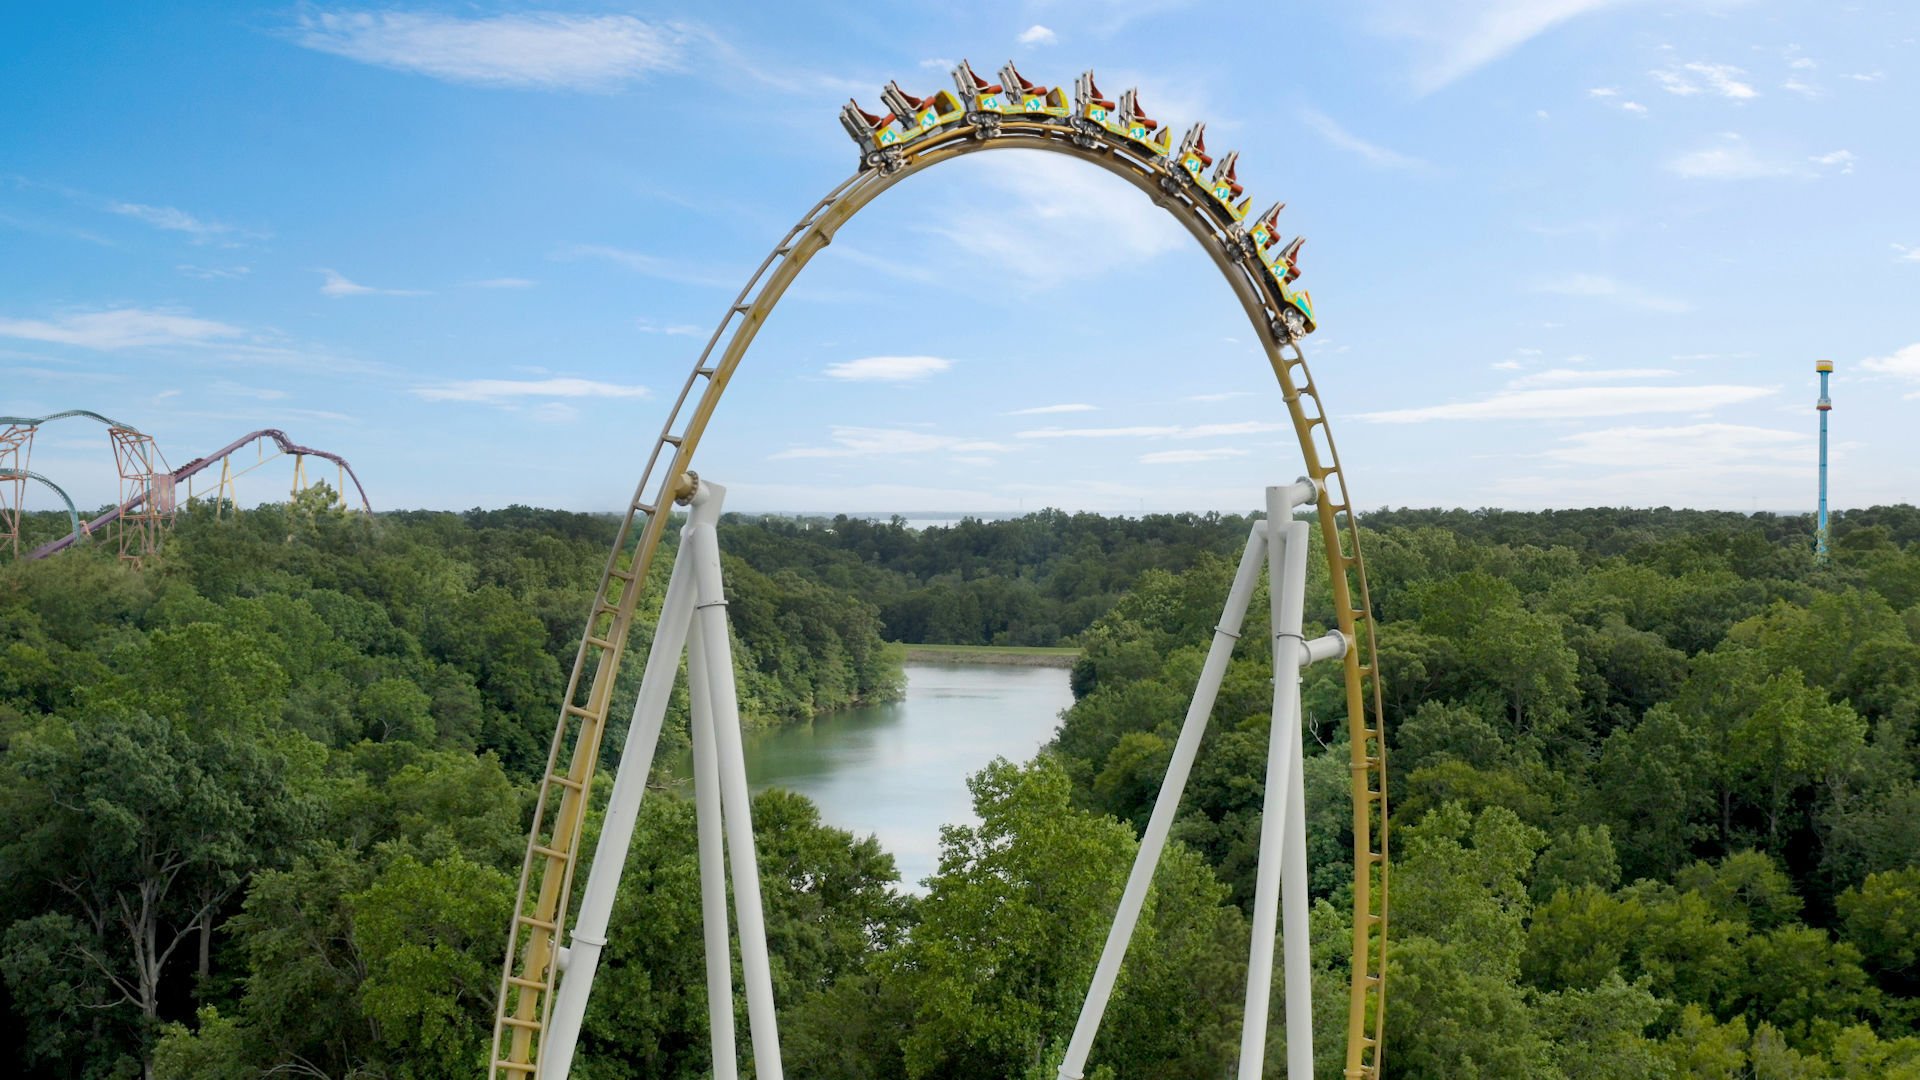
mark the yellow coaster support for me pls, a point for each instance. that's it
(530, 972)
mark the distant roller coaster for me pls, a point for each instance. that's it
(148, 484)
(918, 133)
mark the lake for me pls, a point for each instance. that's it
(899, 771)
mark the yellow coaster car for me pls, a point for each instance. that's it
(1193, 158)
(1282, 263)
(982, 96)
(1034, 100)
(1135, 126)
(1225, 187)
(922, 116)
(875, 132)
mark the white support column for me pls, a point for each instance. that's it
(1154, 841)
(1286, 574)
(713, 865)
(1297, 955)
(711, 624)
(581, 958)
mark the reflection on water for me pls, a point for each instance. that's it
(899, 771)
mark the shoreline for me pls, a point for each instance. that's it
(1002, 655)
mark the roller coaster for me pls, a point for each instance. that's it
(149, 486)
(914, 134)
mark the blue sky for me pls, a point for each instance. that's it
(1564, 253)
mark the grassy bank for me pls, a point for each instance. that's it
(1010, 655)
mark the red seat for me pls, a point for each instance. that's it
(980, 85)
(873, 122)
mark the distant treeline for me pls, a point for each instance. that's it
(1655, 779)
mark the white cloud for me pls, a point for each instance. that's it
(1697, 77)
(1603, 92)
(648, 326)
(1842, 158)
(258, 393)
(1804, 89)
(1729, 159)
(123, 328)
(1506, 365)
(1907, 254)
(502, 283)
(336, 285)
(495, 391)
(1633, 107)
(650, 265)
(849, 441)
(1056, 221)
(1903, 364)
(937, 63)
(1187, 457)
(1037, 35)
(555, 412)
(1039, 410)
(1156, 431)
(1565, 376)
(172, 220)
(214, 273)
(1578, 402)
(1343, 139)
(1605, 288)
(1715, 447)
(888, 368)
(1871, 76)
(1461, 36)
(545, 51)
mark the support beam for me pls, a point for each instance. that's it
(1154, 841)
(713, 866)
(623, 812)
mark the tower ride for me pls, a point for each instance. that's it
(918, 133)
(1823, 406)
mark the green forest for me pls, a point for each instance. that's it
(1655, 783)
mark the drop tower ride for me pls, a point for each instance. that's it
(1823, 406)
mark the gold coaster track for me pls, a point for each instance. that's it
(546, 877)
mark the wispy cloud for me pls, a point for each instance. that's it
(1715, 447)
(1458, 37)
(543, 51)
(1341, 138)
(888, 368)
(1731, 158)
(214, 273)
(122, 328)
(495, 391)
(336, 285)
(1838, 159)
(653, 266)
(1228, 395)
(174, 220)
(1188, 457)
(1903, 364)
(1037, 35)
(1907, 254)
(1039, 410)
(648, 326)
(1573, 403)
(1602, 287)
(1155, 431)
(849, 442)
(1057, 222)
(1724, 80)
(1567, 376)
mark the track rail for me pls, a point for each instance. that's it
(278, 437)
(530, 971)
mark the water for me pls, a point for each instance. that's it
(899, 771)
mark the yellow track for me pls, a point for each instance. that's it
(546, 878)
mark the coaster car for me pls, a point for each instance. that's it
(983, 96)
(1034, 100)
(1138, 128)
(921, 116)
(1193, 158)
(1225, 187)
(1089, 105)
(1282, 264)
(873, 131)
